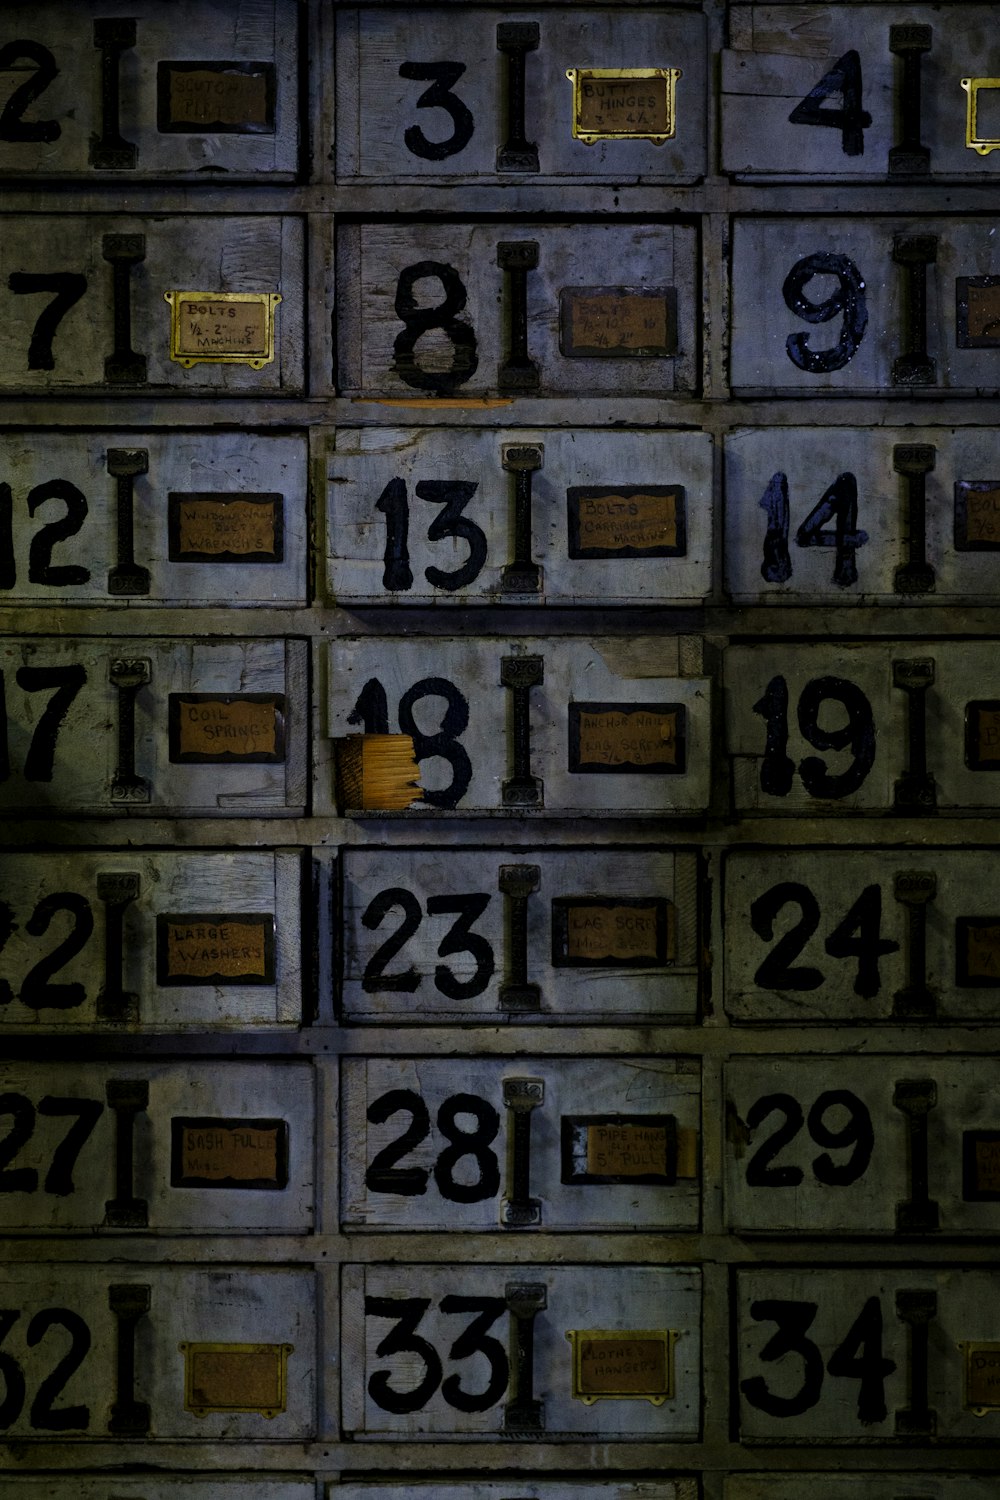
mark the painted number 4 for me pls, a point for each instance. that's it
(838, 504)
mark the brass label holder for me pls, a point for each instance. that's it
(222, 328)
(622, 1364)
(973, 140)
(593, 121)
(235, 1378)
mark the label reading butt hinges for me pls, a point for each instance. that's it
(614, 104)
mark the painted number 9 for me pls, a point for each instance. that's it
(848, 300)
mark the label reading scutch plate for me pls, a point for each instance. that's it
(217, 1153)
(235, 1377)
(622, 1365)
(977, 952)
(223, 328)
(214, 949)
(612, 932)
(982, 1378)
(627, 738)
(228, 98)
(626, 521)
(204, 728)
(624, 104)
(225, 528)
(609, 322)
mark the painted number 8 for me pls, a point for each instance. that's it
(849, 300)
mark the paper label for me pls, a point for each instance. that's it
(235, 1377)
(621, 737)
(982, 1377)
(594, 931)
(626, 1150)
(977, 515)
(618, 321)
(626, 521)
(223, 528)
(227, 729)
(207, 327)
(610, 106)
(215, 949)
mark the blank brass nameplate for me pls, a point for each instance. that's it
(624, 104)
(982, 1378)
(222, 328)
(617, 322)
(214, 948)
(983, 144)
(627, 1364)
(235, 1377)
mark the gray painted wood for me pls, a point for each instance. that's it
(962, 1089)
(85, 759)
(634, 1087)
(621, 1297)
(366, 460)
(837, 878)
(375, 106)
(605, 672)
(261, 882)
(966, 1310)
(235, 1305)
(183, 463)
(782, 52)
(765, 251)
(232, 1091)
(812, 458)
(210, 253)
(248, 31)
(599, 993)
(370, 259)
